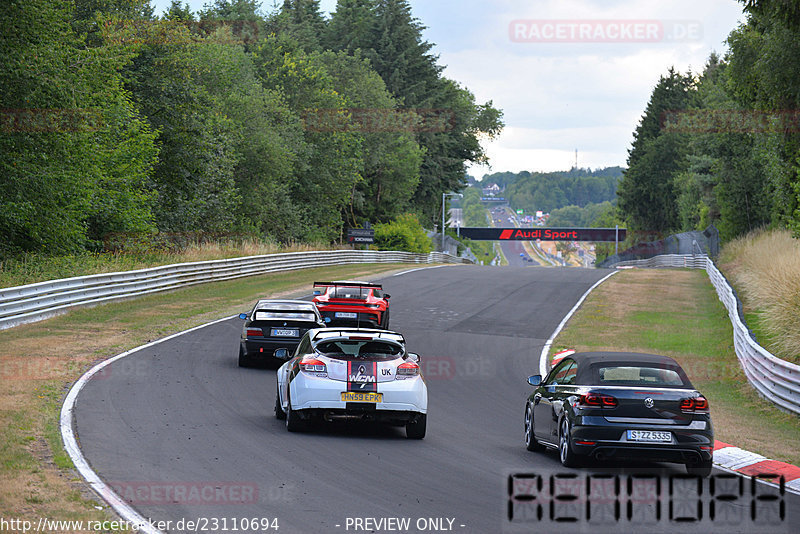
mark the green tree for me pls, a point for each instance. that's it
(76, 155)
(403, 233)
(764, 75)
(329, 159)
(194, 176)
(647, 193)
(390, 36)
(391, 156)
(302, 22)
(265, 137)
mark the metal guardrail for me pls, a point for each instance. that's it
(35, 302)
(697, 261)
(775, 379)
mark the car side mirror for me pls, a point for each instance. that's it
(386, 296)
(535, 380)
(281, 354)
(243, 316)
(414, 357)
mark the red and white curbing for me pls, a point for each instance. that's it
(748, 463)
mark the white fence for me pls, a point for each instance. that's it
(34, 302)
(775, 379)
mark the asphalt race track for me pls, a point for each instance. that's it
(183, 433)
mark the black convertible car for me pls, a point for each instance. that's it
(275, 324)
(600, 405)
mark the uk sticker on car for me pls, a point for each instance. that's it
(649, 435)
(346, 315)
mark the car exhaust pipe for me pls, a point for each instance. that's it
(330, 417)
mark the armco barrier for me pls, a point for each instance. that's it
(34, 302)
(774, 379)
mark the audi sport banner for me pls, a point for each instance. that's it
(544, 234)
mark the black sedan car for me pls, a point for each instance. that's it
(275, 324)
(601, 405)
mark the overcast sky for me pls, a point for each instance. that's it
(568, 74)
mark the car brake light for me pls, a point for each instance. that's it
(254, 332)
(694, 405)
(314, 366)
(598, 400)
(407, 370)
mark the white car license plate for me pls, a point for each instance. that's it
(649, 435)
(345, 315)
(285, 332)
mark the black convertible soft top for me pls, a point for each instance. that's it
(590, 362)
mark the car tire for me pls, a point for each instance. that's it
(531, 443)
(565, 453)
(279, 413)
(416, 429)
(702, 469)
(385, 320)
(293, 422)
(244, 361)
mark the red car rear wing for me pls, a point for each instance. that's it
(348, 284)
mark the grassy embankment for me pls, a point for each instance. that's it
(38, 268)
(677, 313)
(39, 362)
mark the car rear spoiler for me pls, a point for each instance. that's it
(348, 284)
(347, 333)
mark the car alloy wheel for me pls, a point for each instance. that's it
(567, 456)
(530, 440)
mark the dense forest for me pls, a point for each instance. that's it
(722, 147)
(285, 126)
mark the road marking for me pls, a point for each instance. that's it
(546, 349)
(421, 269)
(124, 510)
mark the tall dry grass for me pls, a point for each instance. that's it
(765, 268)
(32, 268)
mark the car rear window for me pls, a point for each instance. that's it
(349, 349)
(266, 315)
(640, 375)
(349, 292)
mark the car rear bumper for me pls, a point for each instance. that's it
(687, 446)
(315, 393)
(364, 319)
(264, 349)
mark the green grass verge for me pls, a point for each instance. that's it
(677, 313)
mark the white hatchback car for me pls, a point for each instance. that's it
(352, 374)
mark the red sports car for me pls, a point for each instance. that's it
(352, 303)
